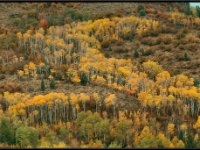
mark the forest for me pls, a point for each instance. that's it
(99, 75)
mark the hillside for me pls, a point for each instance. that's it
(23, 17)
(99, 75)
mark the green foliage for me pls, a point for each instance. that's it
(142, 13)
(186, 57)
(181, 136)
(128, 36)
(110, 48)
(196, 83)
(52, 138)
(26, 137)
(136, 54)
(6, 132)
(190, 142)
(24, 24)
(123, 132)
(141, 10)
(140, 7)
(188, 10)
(77, 16)
(63, 132)
(198, 11)
(52, 84)
(10, 41)
(42, 86)
(20, 24)
(176, 72)
(89, 123)
(148, 142)
(84, 79)
(56, 20)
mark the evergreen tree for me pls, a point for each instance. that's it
(84, 79)
(136, 54)
(186, 57)
(42, 86)
(190, 142)
(143, 52)
(198, 11)
(142, 13)
(52, 84)
(110, 48)
(181, 136)
(141, 10)
(140, 7)
(188, 11)
(196, 83)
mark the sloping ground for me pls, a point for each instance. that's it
(32, 87)
(22, 16)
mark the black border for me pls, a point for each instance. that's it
(100, 1)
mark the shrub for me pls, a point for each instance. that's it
(191, 47)
(2, 77)
(10, 87)
(114, 145)
(107, 55)
(121, 50)
(119, 43)
(128, 36)
(105, 44)
(181, 34)
(77, 16)
(192, 38)
(55, 20)
(60, 71)
(150, 41)
(20, 24)
(167, 39)
(176, 72)
(146, 53)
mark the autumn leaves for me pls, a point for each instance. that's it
(76, 46)
(55, 107)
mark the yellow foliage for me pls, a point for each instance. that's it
(197, 124)
(110, 100)
(170, 128)
(152, 68)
